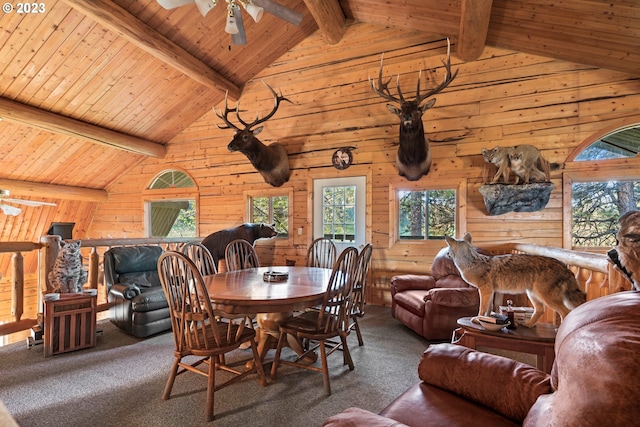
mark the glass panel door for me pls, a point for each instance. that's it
(339, 210)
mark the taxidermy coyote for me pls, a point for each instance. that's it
(546, 281)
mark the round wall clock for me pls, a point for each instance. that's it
(342, 158)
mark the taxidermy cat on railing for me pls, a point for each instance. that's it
(67, 275)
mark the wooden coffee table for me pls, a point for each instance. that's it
(538, 340)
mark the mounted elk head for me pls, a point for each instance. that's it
(270, 160)
(413, 158)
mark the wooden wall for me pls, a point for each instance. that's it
(503, 98)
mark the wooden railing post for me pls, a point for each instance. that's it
(94, 264)
(48, 254)
(17, 286)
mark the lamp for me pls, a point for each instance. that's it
(254, 11)
(204, 6)
(234, 25)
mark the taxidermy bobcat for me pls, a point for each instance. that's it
(528, 162)
(546, 281)
(67, 275)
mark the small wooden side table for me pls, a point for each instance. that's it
(69, 323)
(538, 340)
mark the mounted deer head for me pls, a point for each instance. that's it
(413, 157)
(271, 161)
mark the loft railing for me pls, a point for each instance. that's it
(47, 250)
(594, 272)
(17, 281)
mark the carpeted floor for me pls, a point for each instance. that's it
(119, 382)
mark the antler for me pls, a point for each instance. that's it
(384, 87)
(224, 115)
(448, 78)
(257, 121)
(386, 94)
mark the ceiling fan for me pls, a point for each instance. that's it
(12, 210)
(234, 25)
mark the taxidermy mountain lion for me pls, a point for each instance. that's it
(546, 281)
(524, 160)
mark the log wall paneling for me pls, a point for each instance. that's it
(502, 98)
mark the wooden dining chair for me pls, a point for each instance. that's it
(201, 257)
(330, 321)
(357, 301)
(197, 330)
(321, 253)
(241, 254)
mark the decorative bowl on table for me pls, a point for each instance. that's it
(275, 276)
(493, 326)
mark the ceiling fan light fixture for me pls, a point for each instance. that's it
(204, 6)
(234, 25)
(10, 210)
(231, 27)
(172, 4)
(254, 11)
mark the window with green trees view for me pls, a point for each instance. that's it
(271, 210)
(596, 208)
(339, 213)
(169, 217)
(426, 214)
(597, 205)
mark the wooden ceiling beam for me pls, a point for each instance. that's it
(41, 119)
(330, 18)
(53, 191)
(111, 16)
(474, 25)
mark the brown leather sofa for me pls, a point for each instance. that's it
(594, 382)
(431, 305)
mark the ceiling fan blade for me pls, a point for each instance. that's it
(240, 37)
(172, 4)
(27, 202)
(10, 210)
(282, 12)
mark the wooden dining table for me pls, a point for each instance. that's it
(246, 292)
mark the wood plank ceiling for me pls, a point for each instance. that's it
(89, 88)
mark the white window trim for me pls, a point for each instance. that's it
(272, 192)
(394, 207)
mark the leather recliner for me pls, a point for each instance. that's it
(137, 303)
(432, 304)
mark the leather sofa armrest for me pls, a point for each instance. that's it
(124, 291)
(407, 282)
(453, 297)
(506, 386)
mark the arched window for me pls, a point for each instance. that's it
(603, 177)
(621, 143)
(172, 179)
(171, 205)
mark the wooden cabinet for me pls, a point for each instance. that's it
(69, 323)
